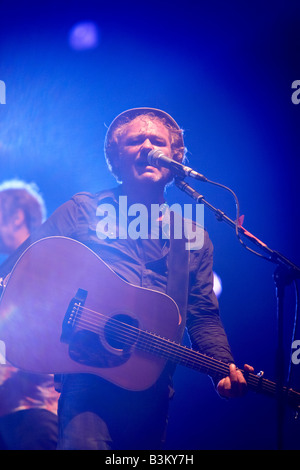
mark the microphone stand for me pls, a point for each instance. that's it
(285, 273)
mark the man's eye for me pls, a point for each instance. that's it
(160, 143)
(133, 141)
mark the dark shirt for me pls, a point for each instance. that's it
(142, 262)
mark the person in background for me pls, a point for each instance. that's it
(28, 402)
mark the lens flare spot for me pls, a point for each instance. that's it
(217, 285)
(84, 35)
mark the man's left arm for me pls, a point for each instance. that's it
(204, 324)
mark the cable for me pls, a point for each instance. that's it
(237, 224)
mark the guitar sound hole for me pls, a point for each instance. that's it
(121, 331)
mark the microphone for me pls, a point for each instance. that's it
(157, 158)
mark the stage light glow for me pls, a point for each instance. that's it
(84, 35)
(217, 285)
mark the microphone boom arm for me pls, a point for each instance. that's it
(273, 256)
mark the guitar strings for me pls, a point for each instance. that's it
(220, 367)
(253, 380)
(151, 342)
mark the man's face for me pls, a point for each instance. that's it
(139, 137)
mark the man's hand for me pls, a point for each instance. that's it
(234, 385)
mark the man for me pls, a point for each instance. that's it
(28, 403)
(94, 413)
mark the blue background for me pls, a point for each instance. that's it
(224, 71)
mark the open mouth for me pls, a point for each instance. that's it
(143, 164)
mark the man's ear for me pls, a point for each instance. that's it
(178, 156)
(115, 163)
(18, 219)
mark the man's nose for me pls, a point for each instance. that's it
(147, 144)
(146, 147)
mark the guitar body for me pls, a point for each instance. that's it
(36, 300)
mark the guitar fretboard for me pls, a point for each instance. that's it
(202, 363)
(131, 336)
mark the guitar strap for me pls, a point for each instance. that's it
(178, 269)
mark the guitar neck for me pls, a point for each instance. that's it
(216, 369)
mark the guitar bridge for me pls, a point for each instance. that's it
(72, 315)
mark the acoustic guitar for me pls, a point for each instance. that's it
(64, 311)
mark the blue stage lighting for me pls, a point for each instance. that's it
(84, 35)
(217, 285)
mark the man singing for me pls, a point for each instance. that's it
(94, 413)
